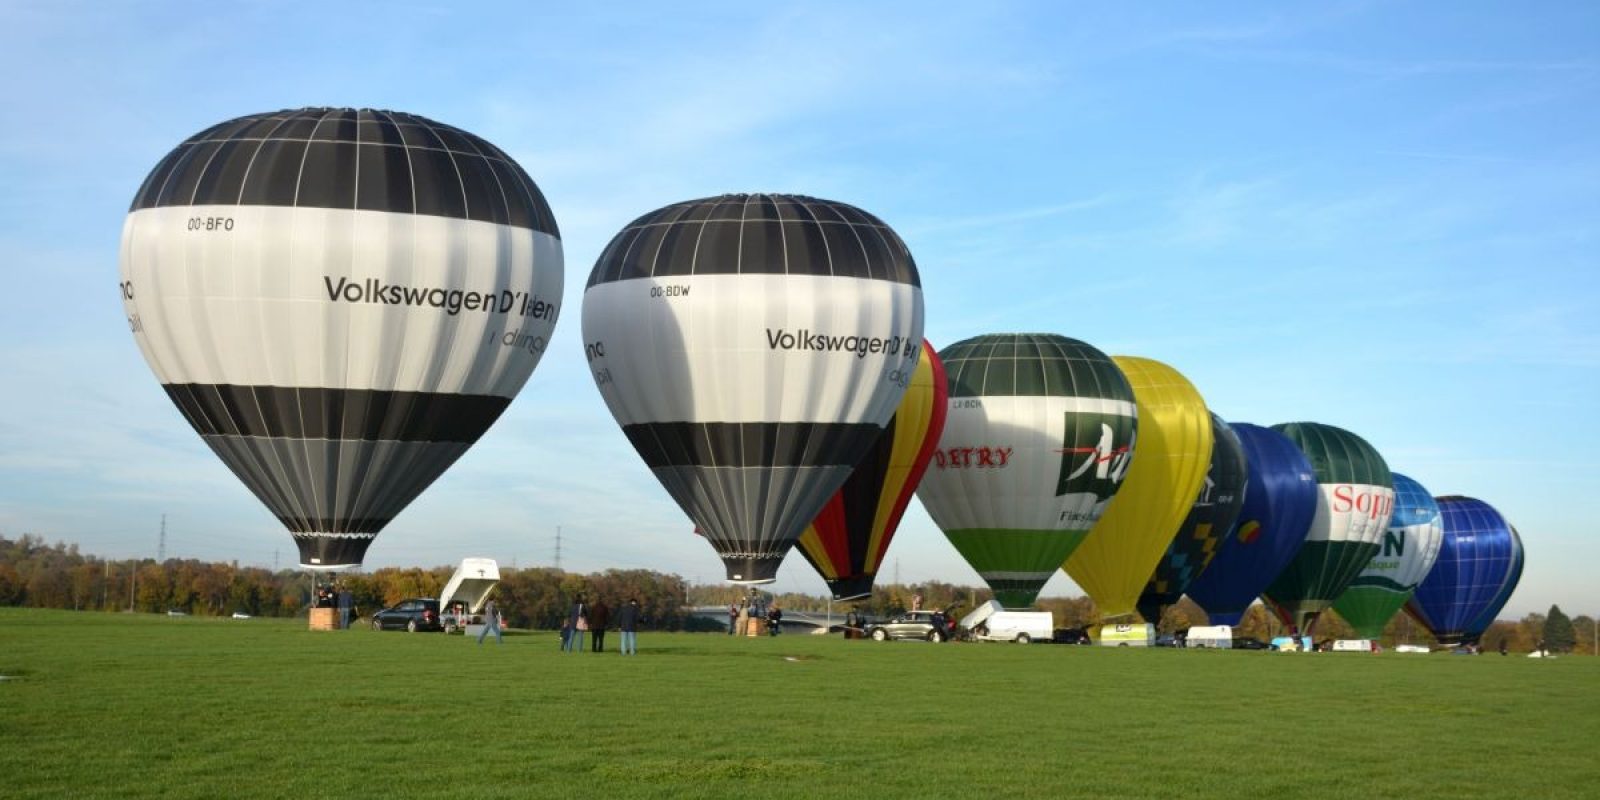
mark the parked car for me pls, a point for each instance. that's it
(416, 614)
(1071, 636)
(931, 626)
(1250, 643)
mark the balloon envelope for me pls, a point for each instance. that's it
(1474, 561)
(847, 540)
(1354, 502)
(1170, 461)
(1280, 499)
(1477, 627)
(1035, 444)
(1409, 548)
(340, 302)
(753, 347)
(1209, 522)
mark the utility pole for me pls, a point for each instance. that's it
(161, 547)
(558, 548)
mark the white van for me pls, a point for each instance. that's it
(1128, 635)
(991, 622)
(1214, 636)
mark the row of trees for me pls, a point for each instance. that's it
(40, 575)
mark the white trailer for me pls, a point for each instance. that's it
(470, 587)
(991, 622)
(1352, 646)
(1214, 636)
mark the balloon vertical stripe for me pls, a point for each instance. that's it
(847, 540)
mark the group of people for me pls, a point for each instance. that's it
(740, 615)
(328, 595)
(591, 618)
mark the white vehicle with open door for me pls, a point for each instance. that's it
(991, 622)
(461, 602)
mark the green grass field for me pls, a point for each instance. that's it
(115, 706)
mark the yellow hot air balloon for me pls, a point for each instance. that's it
(1170, 458)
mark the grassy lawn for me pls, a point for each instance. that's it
(107, 705)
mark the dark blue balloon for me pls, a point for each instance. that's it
(1476, 627)
(1475, 563)
(1280, 499)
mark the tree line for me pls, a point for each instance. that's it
(35, 574)
(39, 575)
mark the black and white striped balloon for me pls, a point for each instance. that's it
(340, 302)
(752, 347)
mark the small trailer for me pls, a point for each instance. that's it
(1353, 646)
(461, 602)
(1213, 636)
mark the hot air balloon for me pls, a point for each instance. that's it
(340, 302)
(1208, 524)
(847, 540)
(1409, 548)
(1477, 627)
(1280, 499)
(1116, 559)
(753, 347)
(1036, 444)
(1354, 503)
(1475, 559)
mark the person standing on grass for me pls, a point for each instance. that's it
(628, 623)
(599, 618)
(578, 619)
(491, 623)
(733, 618)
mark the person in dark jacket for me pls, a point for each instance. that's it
(628, 623)
(599, 618)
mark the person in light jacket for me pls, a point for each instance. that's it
(578, 618)
(491, 623)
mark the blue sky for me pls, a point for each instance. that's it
(1382, 217)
